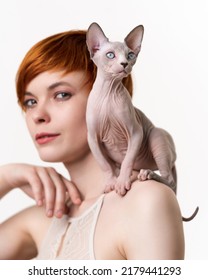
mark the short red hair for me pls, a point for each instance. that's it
(66, 51)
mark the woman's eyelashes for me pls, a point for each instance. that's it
(58, 96)
(29, 103)
(62, 95)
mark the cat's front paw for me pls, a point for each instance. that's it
(110, 184)
(122, 186)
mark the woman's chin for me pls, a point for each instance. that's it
(50, 158)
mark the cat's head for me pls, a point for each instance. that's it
(114, 58)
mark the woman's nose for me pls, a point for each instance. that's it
(41, 115)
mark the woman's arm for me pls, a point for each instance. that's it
(15, 241)
(43, 184)
(155, 230)
(21, 234)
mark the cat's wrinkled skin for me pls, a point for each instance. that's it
(120, 136)
(117, 131)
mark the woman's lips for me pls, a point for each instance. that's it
(43, 138)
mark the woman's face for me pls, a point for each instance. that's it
(55, 107)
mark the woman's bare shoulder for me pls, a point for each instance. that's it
(32, 220)
(153, 198)
(31, 214)
(36, 222)
(27, 216)
(29, 226)
(144, 193)
(145, 201)
(148, 208)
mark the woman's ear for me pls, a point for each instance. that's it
(95, 38)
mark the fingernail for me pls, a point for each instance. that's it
(78, 200)
(59, 213)
(39, 202)
(50, 213)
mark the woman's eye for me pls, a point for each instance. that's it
(29, 103)
(63, 95)
(110, 55)
(131, 55)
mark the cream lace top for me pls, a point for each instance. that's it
(72, 238)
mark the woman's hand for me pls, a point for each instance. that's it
(44, 184)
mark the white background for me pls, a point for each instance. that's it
(170, 84)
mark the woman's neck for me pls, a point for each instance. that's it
(87, 176)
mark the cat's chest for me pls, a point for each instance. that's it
(107, 111)
(110, 119)
(106, 102)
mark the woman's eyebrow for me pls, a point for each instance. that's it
(27, 93)
(52, 86)
(62, 83)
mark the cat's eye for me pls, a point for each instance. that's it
(131, 55)
(110, 55)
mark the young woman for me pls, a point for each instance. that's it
(53, 84)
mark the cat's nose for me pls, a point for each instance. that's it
(124, 64)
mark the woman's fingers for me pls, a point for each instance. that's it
(60, 192)
(50, 189)
(37, 186)
(56, 190)
(73, 192)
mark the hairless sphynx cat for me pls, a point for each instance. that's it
(120, 136)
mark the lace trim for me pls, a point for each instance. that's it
(72, 238)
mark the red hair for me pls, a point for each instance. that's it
(66, 51)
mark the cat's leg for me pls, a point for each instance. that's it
(104, 161)
(125, 179)
(163, 151)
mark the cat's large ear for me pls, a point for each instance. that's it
(134, 39)
(95, 38)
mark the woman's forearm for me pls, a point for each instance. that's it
(4, 185)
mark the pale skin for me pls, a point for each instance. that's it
(146, 223)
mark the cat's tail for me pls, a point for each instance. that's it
(174, 174)
(192, 216)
